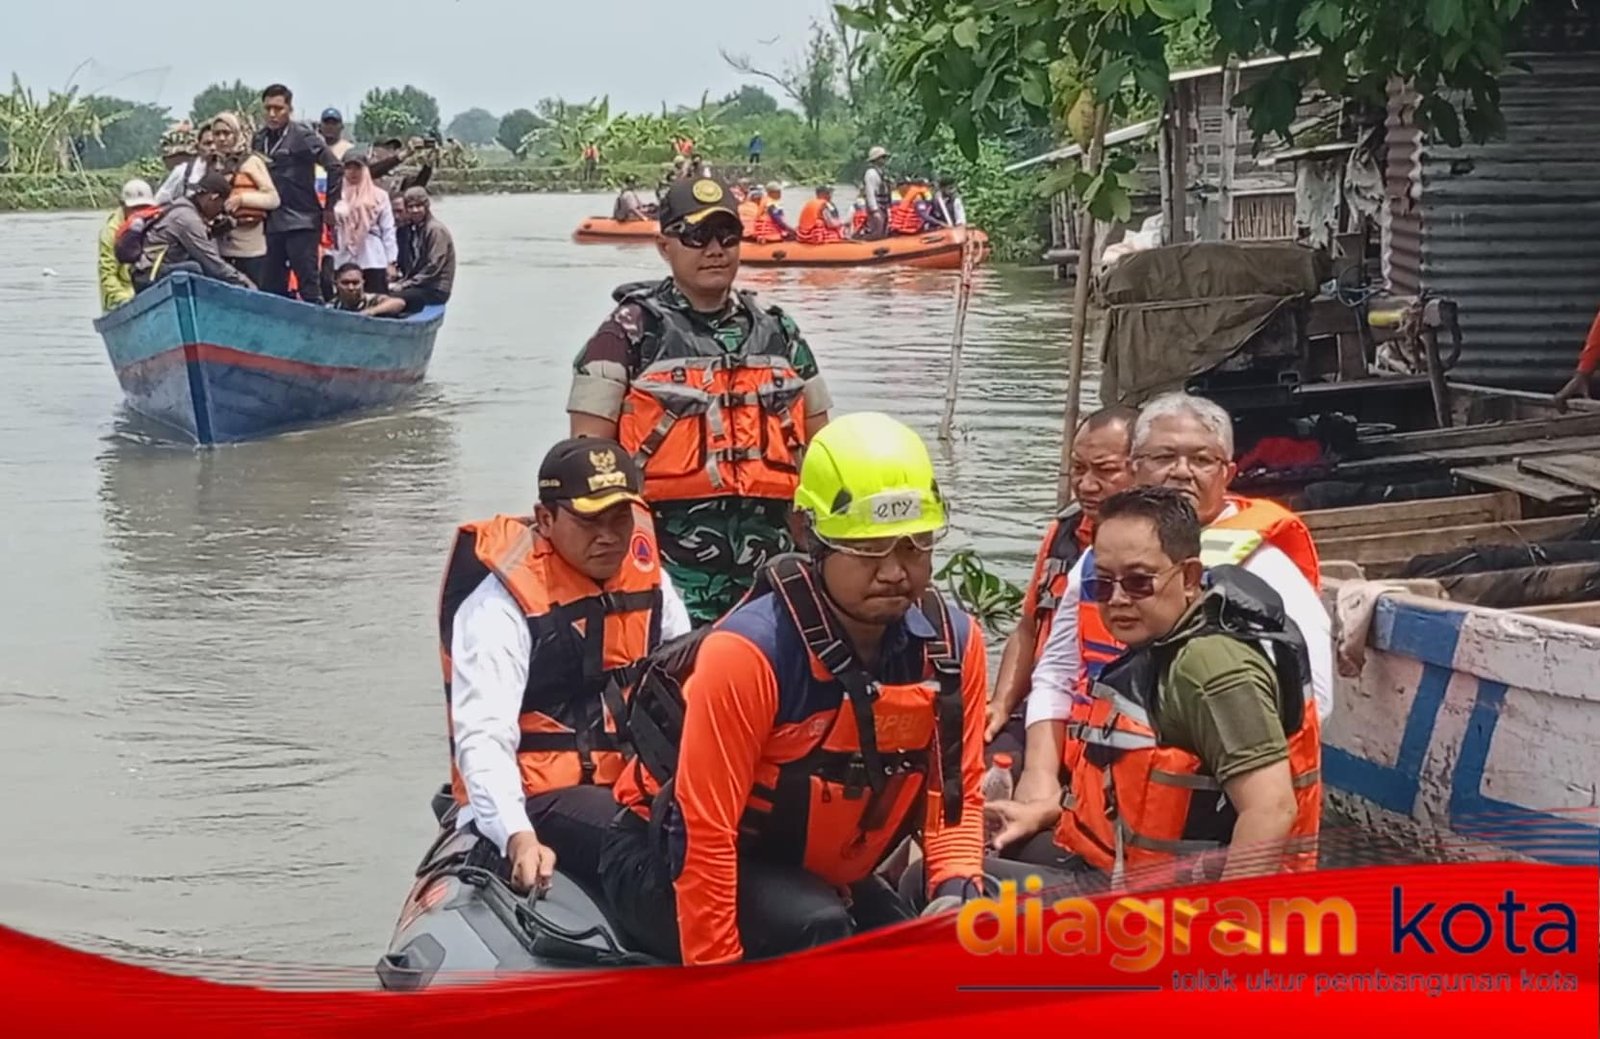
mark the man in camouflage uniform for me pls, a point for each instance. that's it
(712, 546)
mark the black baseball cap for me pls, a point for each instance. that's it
(211, 183)
(589, 475)
(692, 201)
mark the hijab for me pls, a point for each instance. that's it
(357, 210)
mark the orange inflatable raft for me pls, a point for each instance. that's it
(604, 229)
(935, 250)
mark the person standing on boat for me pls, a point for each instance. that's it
(253, 196)
(1198, 752)
(432, 277)
(876, 193)
(331, 127)
(715, 397)
(1186, 443)
(179, 239)
(180, 153)
(363, 223)
(294, 230)
(544, 618)
(834, 711)
(1099, 469)
(116, 277)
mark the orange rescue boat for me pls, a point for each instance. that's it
(934, 250)
(604, 229)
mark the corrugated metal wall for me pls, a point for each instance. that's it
(1402, 245)
(1511, 229)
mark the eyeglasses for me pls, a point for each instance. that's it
(1200, 462)
(883, 548)
(698, 236)
(1134, 586)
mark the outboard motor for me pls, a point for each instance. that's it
(461, 922)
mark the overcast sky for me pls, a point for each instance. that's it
(497, 54)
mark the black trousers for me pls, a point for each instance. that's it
(375, 279)
(782, 908)
(1011, 739)
(251, 267)
(296, 251)
(420, 297)
(1040, 856)
(573, 823)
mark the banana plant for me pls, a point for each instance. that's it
(39, 135)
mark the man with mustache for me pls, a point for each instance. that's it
(1185, 443)
(714, 396)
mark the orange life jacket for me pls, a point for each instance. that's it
(767, 229)
(903, 217)
(587, 639)
(813, 228)
(749, 214)
(838, 808)
(705, 423)
(1064, 541)
(245, 216)
(1135, 802)
(1274, 524)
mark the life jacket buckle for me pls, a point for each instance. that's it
(855, 780)
(680, 375)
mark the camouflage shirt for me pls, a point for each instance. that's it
(711, 547)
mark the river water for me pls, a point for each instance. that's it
(221, 715)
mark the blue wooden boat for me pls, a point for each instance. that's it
(223, 364)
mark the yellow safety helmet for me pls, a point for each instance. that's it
(866, 475)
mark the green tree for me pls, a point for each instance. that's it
(515, 126)
(749, 102)
(225, 97)
(812, 82)
(475, 126)
(130, 131)
(406, 112)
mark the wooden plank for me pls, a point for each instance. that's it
(1587, 613)
(1523, 586)
(1511, 477)
(1430, 440)
(1399, 547)
(1357, 520)
(1472, 455)
(1582, 470)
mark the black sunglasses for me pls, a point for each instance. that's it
(698, 236)
(1134, 586)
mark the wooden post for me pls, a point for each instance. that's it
(1230, 152)
(1179, 231)
(969, 256)
(1080, 312)
(1164, 153)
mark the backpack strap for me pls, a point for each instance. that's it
(948, 713)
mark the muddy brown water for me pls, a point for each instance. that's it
(220, 714)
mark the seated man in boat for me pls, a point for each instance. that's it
(945, 209)
(1099, 469)
(755, 200)
(432, 274)
(771, 225)
(1200, 736)
(721, 491)
(178, 238)
(544, 617)
(629, 206)
(350, 295)
(909, 215)
(819, 220)
(765, 791)
(116, 277)
(1185, 443)
(859, 218)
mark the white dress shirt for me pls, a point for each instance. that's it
(490, 646)
(175, 186)
(1056, 673)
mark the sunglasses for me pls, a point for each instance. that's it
(1134, 586)
(698, 236)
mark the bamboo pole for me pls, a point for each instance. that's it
(1080, 313)
(969, 256)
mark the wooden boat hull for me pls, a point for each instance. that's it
(1471, 726)
(221, 364)
(938, 250)
(603, 229)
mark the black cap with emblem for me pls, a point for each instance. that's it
(589, 475)
(691, 201)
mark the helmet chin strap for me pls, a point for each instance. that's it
(817, 550)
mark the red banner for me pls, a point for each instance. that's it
(1469, 949)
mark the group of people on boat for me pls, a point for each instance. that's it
(710, 678)
(290, 210)
(913, 205)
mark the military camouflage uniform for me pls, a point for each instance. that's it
(711, 547)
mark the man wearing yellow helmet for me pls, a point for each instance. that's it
(836, 710)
